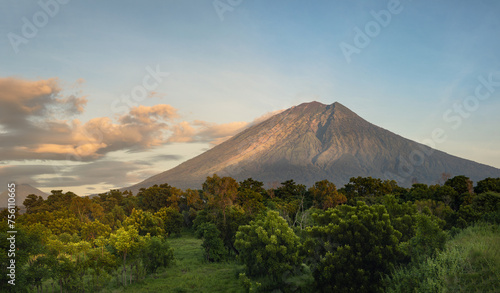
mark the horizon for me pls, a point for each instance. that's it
(97, 96)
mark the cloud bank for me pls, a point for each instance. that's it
(44, 143)
(38, 120)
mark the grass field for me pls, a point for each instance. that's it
(190, 273)
(470, 263)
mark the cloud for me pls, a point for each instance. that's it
(37, 122)
(22, 174)
(107, 172)
(166, 157)
(144, 115)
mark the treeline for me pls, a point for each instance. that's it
(291, 238)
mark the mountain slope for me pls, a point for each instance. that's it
(22, 191)
(312, 142)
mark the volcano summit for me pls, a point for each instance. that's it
(311, 142)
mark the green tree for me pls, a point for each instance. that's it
(253, 185)
(126, 241)
(172, 220)
(461, 184)
(92, 230)
(251, 201)
(156, 197)
(368, 186)
(485, 185)
(352, 247)
(419, 191)
(157, 253)
(428, 240)
(33, 203)
(268, 247)
(213, 247)
(145, 223)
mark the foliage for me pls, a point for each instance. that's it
(77, 244)
(251, 201)
(27, 246)
(268, 246)
(220, 192)
(157, 253)
(352, 247)
(156, 197)
(368, 187)
(428, 240)
(488, 184)
(325, 195)
(213, 246)
(461, 184)
(145, 222)
(126, 241)
(172, 220)
(469, 263)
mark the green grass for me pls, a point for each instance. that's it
(469, 263)
(190, 273)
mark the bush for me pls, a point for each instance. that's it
(352, 248)
(269, 247)
(470, 263)
(156, 254)
(214, 250)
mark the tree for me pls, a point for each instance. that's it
(268, 247)
(419, 191)
(221, 192)
(444, 193)
(92, 230)
(126, 241)
(368, 186)
(253, 185)
(429, 239)
(145, 223)
(289, 199)
(101, 264)
(172, 220)
(33, 203)
(81, 208)
(325, 195)
(213, 247)
(157, 253)
(155, 197)
(485, 185)
(193, 199)
(251, 201)
(461, 184)
(352, 247)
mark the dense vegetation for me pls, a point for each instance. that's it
(369, 236)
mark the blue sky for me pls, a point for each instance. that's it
(225, 69)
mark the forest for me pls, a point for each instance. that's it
(371, 235)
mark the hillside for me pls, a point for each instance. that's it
(312, 142)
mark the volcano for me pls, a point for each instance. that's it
(311, 142)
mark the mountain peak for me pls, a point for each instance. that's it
(311, 142)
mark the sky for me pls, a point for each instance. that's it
(96, 95)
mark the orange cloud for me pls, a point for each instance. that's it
(34, 125)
